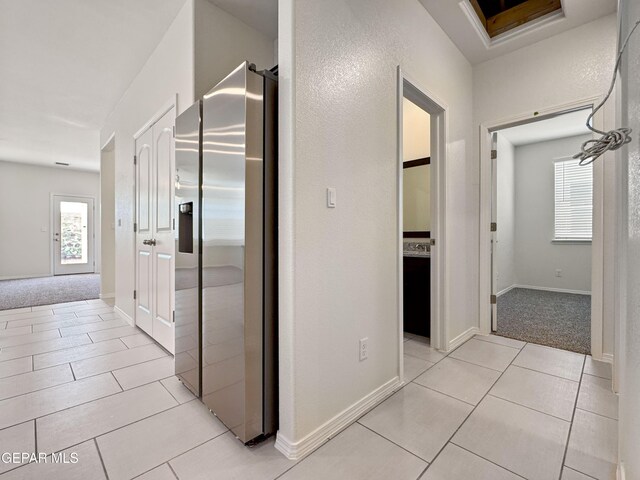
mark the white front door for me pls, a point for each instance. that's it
(155, 245)
(73, 236)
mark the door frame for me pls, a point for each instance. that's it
(597, 243)
(439, 113)
(166, 107)
(52, 226)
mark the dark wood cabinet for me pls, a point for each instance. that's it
(417, 295)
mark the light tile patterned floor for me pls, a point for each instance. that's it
(75, 378)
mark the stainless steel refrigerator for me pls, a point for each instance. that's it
(226, 261)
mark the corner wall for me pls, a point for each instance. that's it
(107, 221)
(339, 267)
(222, 42)
(26, 215)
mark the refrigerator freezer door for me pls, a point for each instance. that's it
(188, 258)
(232, 243)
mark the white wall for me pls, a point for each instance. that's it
(569, 67)
(536, 257)
(506, 202)
(629, 184)
(108, 221)
(416, 131)
(25, 211)
(222, 42)
(168, 72)
(339, 280)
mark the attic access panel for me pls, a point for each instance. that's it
(500, 16)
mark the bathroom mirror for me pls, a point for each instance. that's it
(416, 198)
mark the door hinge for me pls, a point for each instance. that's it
(135, 294)
(174, 223)
(432, 242)
(494, 154)
(174, 131)
(135, 160)
(135, 227)
(494, 227)
(174, 316)
(494, 299)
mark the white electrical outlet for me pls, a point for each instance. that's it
(364, 348)
(558, 273)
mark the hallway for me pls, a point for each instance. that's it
(76, 378)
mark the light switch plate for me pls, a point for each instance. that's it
(331, 197)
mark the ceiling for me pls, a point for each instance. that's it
(65, 64)
(562, 126)
(261, 15)
(459, 21)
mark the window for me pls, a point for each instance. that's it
(573, 200)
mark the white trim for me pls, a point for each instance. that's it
(328, 430)
(124, 316)
(173, 102)
(551, 289)
(106, 144)
(107, 295)
(22, 277)
(505, 290)
(606, 357)
(463, 337)
(620, 472)
(597, 251)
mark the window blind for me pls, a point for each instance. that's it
(573, 200)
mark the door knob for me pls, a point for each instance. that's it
(150, 242)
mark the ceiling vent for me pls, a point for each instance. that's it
(500, 16)
(62, 164)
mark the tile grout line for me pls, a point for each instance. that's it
(104, 468)
(550, 374)
(442, 393)
(573, 416)
(113, 429)
(486, 459)
(527, 407)
(596, 413)
(171, 468)
(469, 415)
(391, 441)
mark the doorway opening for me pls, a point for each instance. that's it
(542, 228)
(421, 140)
(74, 237)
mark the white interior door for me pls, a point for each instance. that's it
(73, 235)
(155, 245)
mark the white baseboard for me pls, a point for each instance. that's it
(22, 277)
(107, 295)
(463, 337)
(508, 289)
(302, 448)
(124, 316)
(606, 357)
(620, 475)
(551, 289)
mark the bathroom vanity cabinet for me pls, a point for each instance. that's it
(417, 295)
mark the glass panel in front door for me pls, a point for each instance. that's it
(74, 237)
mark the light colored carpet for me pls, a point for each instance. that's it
(560, 320)
(31, 292)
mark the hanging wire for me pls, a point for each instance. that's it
(614, 139)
